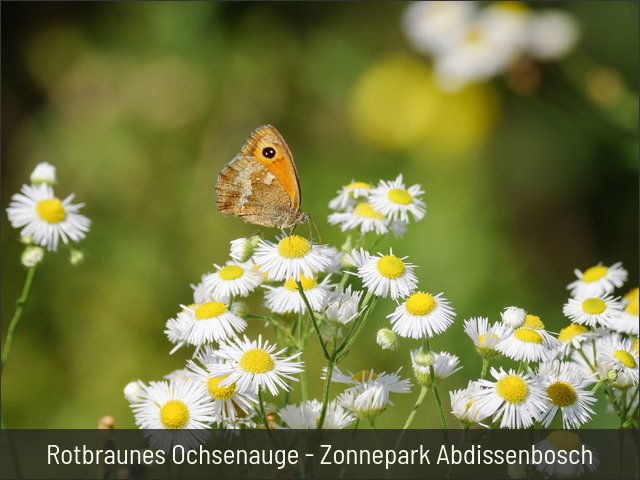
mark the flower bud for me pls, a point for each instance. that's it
(387, 339)
(424, 359)
(76, 257)
(612, 375)
(242, 248)
(514, 316)
(241, 309)
(32, 256)
(26, 239)
(106, 423)
(134, 391)
(44, 173)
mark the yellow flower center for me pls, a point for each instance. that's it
(354, 185)
(364, 376)
(474, 35)
(512, 388)
(515, 7)
(634, 347)
(210, 310)
(632, 308)
(231, 272)
(420, 303)
(482, 339)
(51, 210)
(391, 267)
(468, 406)
(527, 335)
(568, 333)
(632, 295)
(625, 358)
(174, 414)
(364, 209)
(256, 360)
(561, 394)
(294, 246)
(399, 195)
(564, 440)
(218, 392)
(594, 273)
(533, 322)
(307, 283)
(593, 306)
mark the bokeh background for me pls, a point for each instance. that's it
(140, 104)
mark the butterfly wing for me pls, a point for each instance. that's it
(247, 189)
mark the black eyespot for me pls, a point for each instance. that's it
(269, 152)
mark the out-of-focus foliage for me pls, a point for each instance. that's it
(139, 105)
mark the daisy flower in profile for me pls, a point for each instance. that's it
(292, 256)
(464, 406)
(571, 337)
(233, 280)
(395, 201)
(341, 306)
(592, 310)
(348, 195)
(45, 218)
(517, 400)
(253, 365)
(134, 391)
(566, 442)
(386, 275)
(619, 356)
(367, 400)
(513, 316)
(564, 387)
(228, 401)
(598, 280)
(241, 249)
(305, 416)
(287, 299)
(628, 320)
(363, 217)
(203, 323)
(174, 405)
(201, 294)
(422, 315)
(43, 173)
(485, 337)
(391, 381)
(444, 365)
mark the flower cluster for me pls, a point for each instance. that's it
(470, 44)
(45, 220)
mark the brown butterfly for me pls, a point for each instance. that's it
(260, 185)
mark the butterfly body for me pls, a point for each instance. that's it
(260, 185)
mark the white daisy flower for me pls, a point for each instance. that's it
(45, 218)
(391, 381)
(229, 402)
(348, 195)
(366, 401)
(566, 442)
(517, 400)
(598, 280)
(341, 306)
(254, 365)
(287, 298)
(363, 217)
(485, 337)
(551, 34)
(628, 320)
(524, 344)
(592, 310)
(398, 228)
(233, 280)
(387, 339)
(619, 356)
(134, 391)
(571, 337)
(305, 416)
(564, 386)
(203, 323)
(395, 201)
(464, 406)
(432, 27)
(422, 315)
(202, 294)
(444, 365)
(514, 317)
(32, 256)
(357, 257)
(43, 173)
(386, 275)
(631, 296)
(292, 256)
(337, 257)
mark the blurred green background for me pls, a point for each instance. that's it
(139, 105)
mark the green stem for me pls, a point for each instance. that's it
(303, 373)
(414, 410)
(21, 302)
(325, 395)
(485, 367)
(313, 320)
(263, 416)
(353, 334)
(434, 386)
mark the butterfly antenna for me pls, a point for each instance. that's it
(311, 222)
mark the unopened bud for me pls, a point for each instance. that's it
(387, 339)
(32, 256)
(26, 239)
(106, 423)
(134, 391)
(612, 375)
(242, 248)
(424, 359)
(44, 173)
(76, 257)
(514, 316)
(241, 309)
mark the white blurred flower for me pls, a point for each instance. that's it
(305, 416)
(598, 280)
(32, 256)
(552, 34)
(43, 173)
(348, 195)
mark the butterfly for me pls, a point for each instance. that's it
(260, 185)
